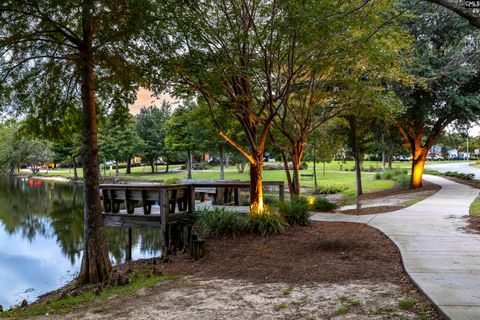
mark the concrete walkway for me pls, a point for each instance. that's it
(440, 257)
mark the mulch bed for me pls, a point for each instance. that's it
(333, 252)
(371, 210)
(427, 186)
(473, 225)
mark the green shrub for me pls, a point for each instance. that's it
(296, 211)
(331, 189)
(267, 222)
(393, 174)
(270, 199)
(402, 180)
(219, 222)
(201, 165)
(460, 175)
(378, 176)
(323, 204)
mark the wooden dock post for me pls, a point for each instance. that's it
(128, 244)
(164, 206)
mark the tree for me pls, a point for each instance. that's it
(56, 54)
(185, 132)
(358, 55)
(151, 129)
(446, 90)
(8, 159)
(455, 6)
(119, 140)
(233, 54)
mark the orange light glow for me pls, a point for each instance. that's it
(417, 174)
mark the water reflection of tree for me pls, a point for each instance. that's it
(22, 208)
(50, 209)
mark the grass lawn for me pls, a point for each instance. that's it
(332, 176)
(475, 207)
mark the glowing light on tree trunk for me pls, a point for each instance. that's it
(417, 173)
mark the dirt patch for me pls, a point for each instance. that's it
(325, 270)
(205, 299)
(427, 186)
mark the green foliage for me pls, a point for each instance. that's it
(64, 305)
(270, 199)
(406, 304)
(266, 222)
(342, 310)
(281, 306)
(150, 126)
(295, 211)
(119, 140)
(460, 175)
(219, 222)
(323, 204)
(331, 189)
(475, 207)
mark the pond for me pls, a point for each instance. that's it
(41, 236)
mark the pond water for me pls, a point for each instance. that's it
(41, 235)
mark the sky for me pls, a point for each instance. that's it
(145, 98)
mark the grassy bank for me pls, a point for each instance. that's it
(475, 207)
(94, 297)
(332, 175)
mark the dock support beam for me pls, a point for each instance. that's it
(128, 244)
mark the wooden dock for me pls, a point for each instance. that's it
(169, 208)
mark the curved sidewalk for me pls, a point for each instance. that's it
(440, 257)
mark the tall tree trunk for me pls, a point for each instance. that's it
(296, 153)
(241, 167)
(189, 165)
(389, 155)
(256, 184)
(75, 171)
(96, 266)
(383, 152)
(418, 164)
(167, 167)
(152, 164)
(129, 166)
(287, 174)
(116, 168)
(356, 154)
(358, 173)
(222, 164)
(315, 185)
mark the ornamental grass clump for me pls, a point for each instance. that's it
(296, 211)
(323, 204)
(265, 222)
(331, 189)
(219, 223)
